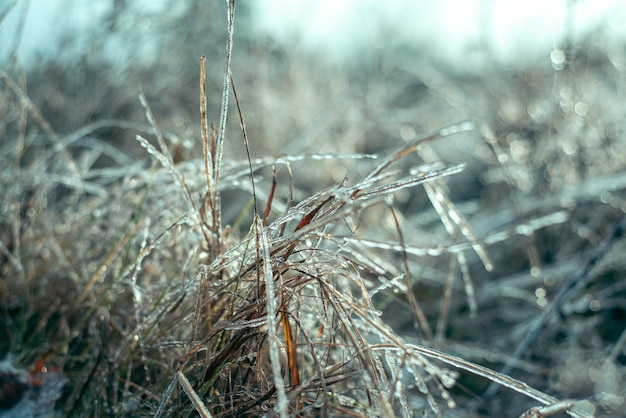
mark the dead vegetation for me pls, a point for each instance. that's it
(399, 284)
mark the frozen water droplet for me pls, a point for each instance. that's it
(558, 59)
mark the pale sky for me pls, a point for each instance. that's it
(514, 29)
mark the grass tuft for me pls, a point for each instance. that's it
(222, 287)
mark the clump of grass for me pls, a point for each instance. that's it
(129, 280)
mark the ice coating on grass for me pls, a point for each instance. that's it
(253, 323)
(493, 238)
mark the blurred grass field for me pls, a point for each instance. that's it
(115, 279)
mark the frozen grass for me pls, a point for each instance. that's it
(334, 282)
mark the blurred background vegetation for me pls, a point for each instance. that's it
(556, 110)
